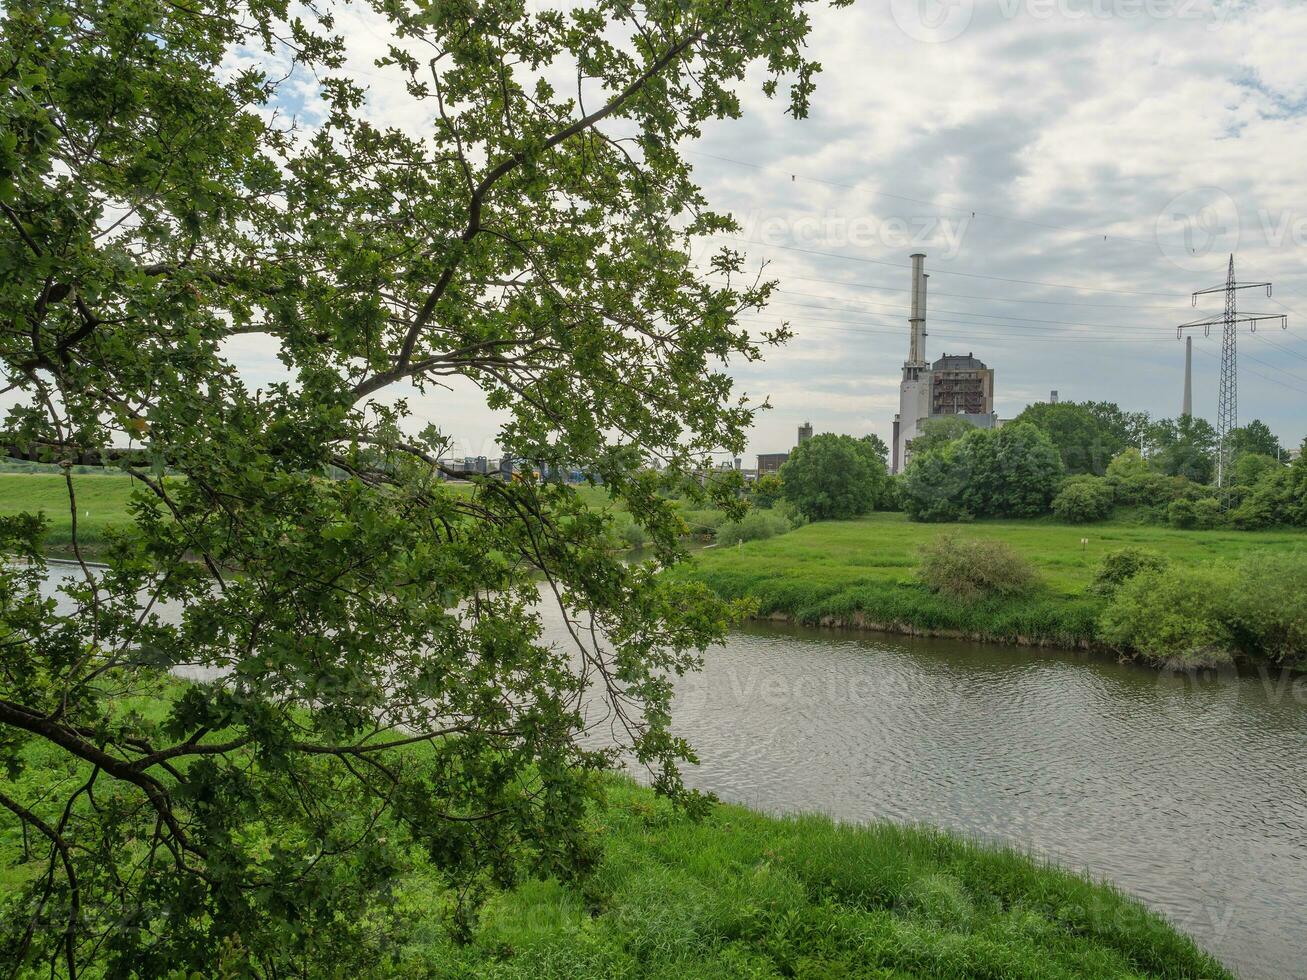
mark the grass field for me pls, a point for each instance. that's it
(102, 501)
(850, 572)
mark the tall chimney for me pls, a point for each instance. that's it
(917, 347)
(1188, 408)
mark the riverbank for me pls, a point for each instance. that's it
(861, 574)
(740, 894)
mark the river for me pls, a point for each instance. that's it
(1188, 792)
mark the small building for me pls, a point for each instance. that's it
(805, 432)
(771, 463)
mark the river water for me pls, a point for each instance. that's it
(1189, 792)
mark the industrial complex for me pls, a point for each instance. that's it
(956, 384)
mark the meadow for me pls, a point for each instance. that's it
(863, 573)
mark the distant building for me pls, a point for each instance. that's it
(805, 432)
(959, 385)
(771, 462)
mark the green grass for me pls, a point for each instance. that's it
(863, 572)
(102, 501)
(739, 894)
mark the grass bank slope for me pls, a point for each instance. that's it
(102, 501)
(745, 895)
(862, 573)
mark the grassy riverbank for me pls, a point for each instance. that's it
(863, 573)
(740, 894)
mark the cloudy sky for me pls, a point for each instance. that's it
(1073, 170)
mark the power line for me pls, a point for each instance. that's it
(941, 272)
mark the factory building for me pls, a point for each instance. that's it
(956, 384)
(805, 433)
(771, 462)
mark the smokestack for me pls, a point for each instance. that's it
(917, 347)
(1188, 407)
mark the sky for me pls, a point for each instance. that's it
(1073, 170)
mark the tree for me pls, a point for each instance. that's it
(1086, 436)
(1013, 471)
(878, 447)
(833, 477)
(382, 688)
(1083, 499)
(1186, 447)
(1255, 437)
(938, 432)
(767, 489)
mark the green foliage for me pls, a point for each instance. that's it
(938, 432)
(1173, 615)
(968, 569)
(1013, 471)
(1266, 615)
(833, 477)
(754, 526)
(1255, 438)
(1268, 501)
(1135, 481)
(1203, 615)
(1185, 447)
(1122, 564)
(767, 489)
(1087, 436)
(159, 207)
(1083, 500)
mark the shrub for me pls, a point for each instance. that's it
(755, 525)
(1173, 615)
(1207, 513)
(1267, 615)
(1083, 499)
(969, 569)
(1125, 563)
(1181, 514)
(633, 536)
(767, 490)
(1134, 481)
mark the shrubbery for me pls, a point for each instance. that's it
(1009, 472)
(970, 569)
(1083, 499)
(1203, 615)
(1125, 563)
(1172, 615)
(755, 525)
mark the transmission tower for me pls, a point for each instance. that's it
(1227, 411)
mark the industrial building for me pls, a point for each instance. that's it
(771, 462)
(805, 433)
(959, 385)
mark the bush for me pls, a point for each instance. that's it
(1207, 513)
(767, 490)
(1083, 500)
(1181, 514)
(1267, 616)
(1125, 563)
(1134, 481)
(969, 569)
(755, 525)
(1173, 615)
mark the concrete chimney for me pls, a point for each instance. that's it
(1187, 408)
(917, 346)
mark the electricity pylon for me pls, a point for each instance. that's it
(1227, 410)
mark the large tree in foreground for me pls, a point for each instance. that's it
(380, 688)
